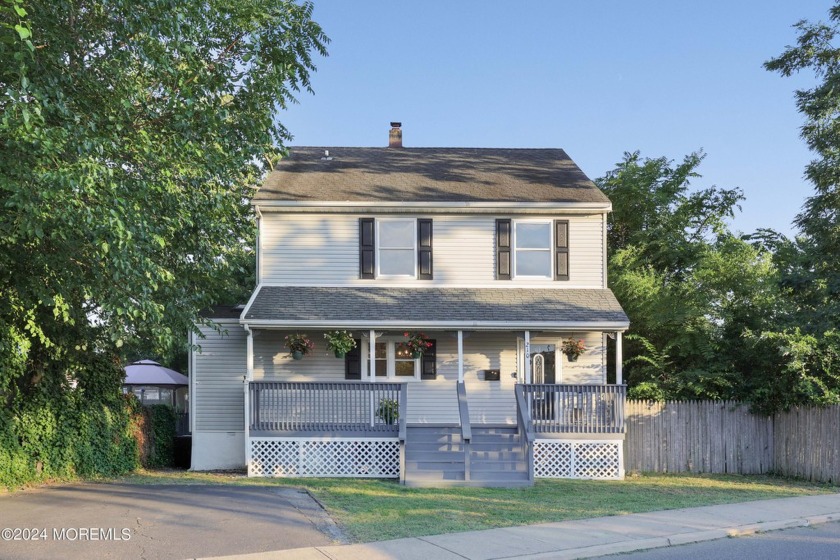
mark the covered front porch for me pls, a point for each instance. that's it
(492, 401)
(352, 429)
(469, 424)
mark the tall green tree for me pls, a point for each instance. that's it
(690, 287)
(812, 264)
(132, 135)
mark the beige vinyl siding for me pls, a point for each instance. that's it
(591, 366)
(322, 249)
(491, 402)
(586, 252)
(273, 363)
(219, 369)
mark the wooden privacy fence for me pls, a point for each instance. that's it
(807, 443)
(724, 437)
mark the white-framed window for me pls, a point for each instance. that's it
(532, 249)
(396, 248)
(392, 361)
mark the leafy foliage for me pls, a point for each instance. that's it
(131, 138)
(162, 419)
(57, 438)
(814, 277)
(713, 315)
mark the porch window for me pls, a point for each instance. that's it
(532, 249)
(380, 360)
(404, 364)
(393, 361)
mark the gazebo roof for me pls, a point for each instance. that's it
(148, 372)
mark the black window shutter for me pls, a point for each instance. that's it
(428, 366)
(367, 249)
(424, 249)
(561, 249)
(353, 362)
(503, 250)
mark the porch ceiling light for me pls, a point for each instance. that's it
(466, 334)
(366, 334)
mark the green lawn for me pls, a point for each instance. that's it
(371, 510)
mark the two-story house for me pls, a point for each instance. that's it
(498, 256)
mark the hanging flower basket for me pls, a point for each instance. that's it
(339, 342)
(573, 348)
(299, 345)
(417, 344)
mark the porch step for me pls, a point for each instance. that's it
(436, 456)
(433, 456)
(436, 435)
(492, 456)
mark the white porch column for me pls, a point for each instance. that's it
(618, 358)
(249, 360)
(372, 356)
(460, 356)
(527, 356)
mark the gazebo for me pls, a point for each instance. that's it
(154, 384)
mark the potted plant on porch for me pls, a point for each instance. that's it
(339, 342)
(389, 410)
(573, 348)
(417, 344)
(299, 345)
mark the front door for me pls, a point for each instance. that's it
(542, 363)
(543, 372)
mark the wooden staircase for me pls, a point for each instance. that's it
(439, 456)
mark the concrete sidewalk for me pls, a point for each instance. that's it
(587, 538)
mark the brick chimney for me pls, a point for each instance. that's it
(395, 136)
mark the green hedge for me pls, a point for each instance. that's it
(162, 429)
(66, 436)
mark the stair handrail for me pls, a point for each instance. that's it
(525, 425)
(523, 416)
(464, 411)
(466, 428)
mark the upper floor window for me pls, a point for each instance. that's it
(532, 248)
(395, 248)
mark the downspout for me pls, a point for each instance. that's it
(191, 373)
(249, 376)
(259, 243)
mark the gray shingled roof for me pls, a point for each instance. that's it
(429, 175)
(287, 305)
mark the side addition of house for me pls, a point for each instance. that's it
(492, 260)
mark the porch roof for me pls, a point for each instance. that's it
(448, 308)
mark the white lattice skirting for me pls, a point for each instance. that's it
(360, 457)
(557, 458)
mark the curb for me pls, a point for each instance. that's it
(682, 538)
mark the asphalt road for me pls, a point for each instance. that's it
(820, 542)
(94, 521)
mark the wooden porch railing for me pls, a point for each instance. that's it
(580, 409)
(360, 407)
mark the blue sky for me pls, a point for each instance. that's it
(596, 78)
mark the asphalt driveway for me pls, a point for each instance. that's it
(159, 521)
